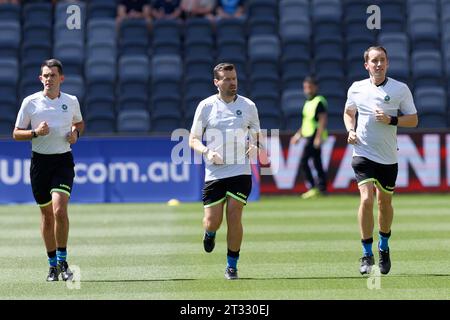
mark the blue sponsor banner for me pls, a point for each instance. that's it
(112, 170)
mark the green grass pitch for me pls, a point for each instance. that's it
(292, 249)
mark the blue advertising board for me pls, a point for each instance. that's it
(137, 169)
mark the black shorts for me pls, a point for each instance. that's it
(384, 175)
(49, 173)
(237, 187)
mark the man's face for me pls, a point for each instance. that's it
(228, 83)
(309, 89)
(50, 78)
(377, 64)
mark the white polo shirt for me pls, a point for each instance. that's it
(59, 113)
(378, 141)
(228, 128)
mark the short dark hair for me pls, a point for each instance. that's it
(224, 66)
(378, 48)
(52, 63)
(310, 79)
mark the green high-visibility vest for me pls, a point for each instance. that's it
(309, 123)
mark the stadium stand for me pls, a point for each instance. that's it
(166, 71)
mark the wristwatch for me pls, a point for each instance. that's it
(33, 134)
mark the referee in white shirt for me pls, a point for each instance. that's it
(382, 104)
(225, 120)
(56, 123)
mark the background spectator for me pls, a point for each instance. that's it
(198, 8)
(166, 9)
(133, 9)
(230, 9)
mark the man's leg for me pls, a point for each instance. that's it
(304, 165)
(366, 223)
(212, 220)
(385, 218)
(321, 175)
(60, 204)
(234, 235)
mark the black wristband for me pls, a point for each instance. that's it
(33, 134)
(78, 133)
(394, 121)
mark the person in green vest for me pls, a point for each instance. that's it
(313, 129)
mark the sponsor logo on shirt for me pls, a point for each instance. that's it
(64, 108)
(239, 113)
(387, 99)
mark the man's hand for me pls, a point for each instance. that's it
(352, 139)
(380, 116)
(295, 138)
(214, 157)
(72, 137)
(317, 142)
(42, 129)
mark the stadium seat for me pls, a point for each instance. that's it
(399, 68)
(97, 69)
(264, 84)
(133, 37)
(62, 11)
(427, 67)
(265, 47)
(396, 44)
(194, 48)
(267, 103)
(9, 12)
(231, 47)
(133, 121)
(134, 75)
(166, 67)
(133, 102)
(292, 30)
(74, 85)
(101, 125)
(268, 122)
(293, 71)
(164, 106)
(330, 67)
(198, 67)
(199, 87)
(424, 33)
(329, 47)
(292, 102)
(72, 55)
(293, 47)
(431, 100)
(263, 25)
(102, 9)
(100, 107)
(101, 30)
(432, 121)
(62, 34)
(37, 32)
(356, 70)
(198, 28)
(262, 8)
(10, 37)
(165, 125)
(99, 50)
(232, 28)
(37, 12)
(326, 11)
(357, 44)
(9, 76)
(296, 10)
(34, 52)
(29, 86)
(393, 16)
(335, 122)
(166, 37)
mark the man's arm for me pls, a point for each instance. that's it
(350, 123)
(406, 121)
(322, 124)
(196, 144)
(76, 131)
(24, 134)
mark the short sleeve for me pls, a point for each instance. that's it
(23, 117)
(198, 123)
(77, 117)
(407, 104)
(254, 119)
(350, 103)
